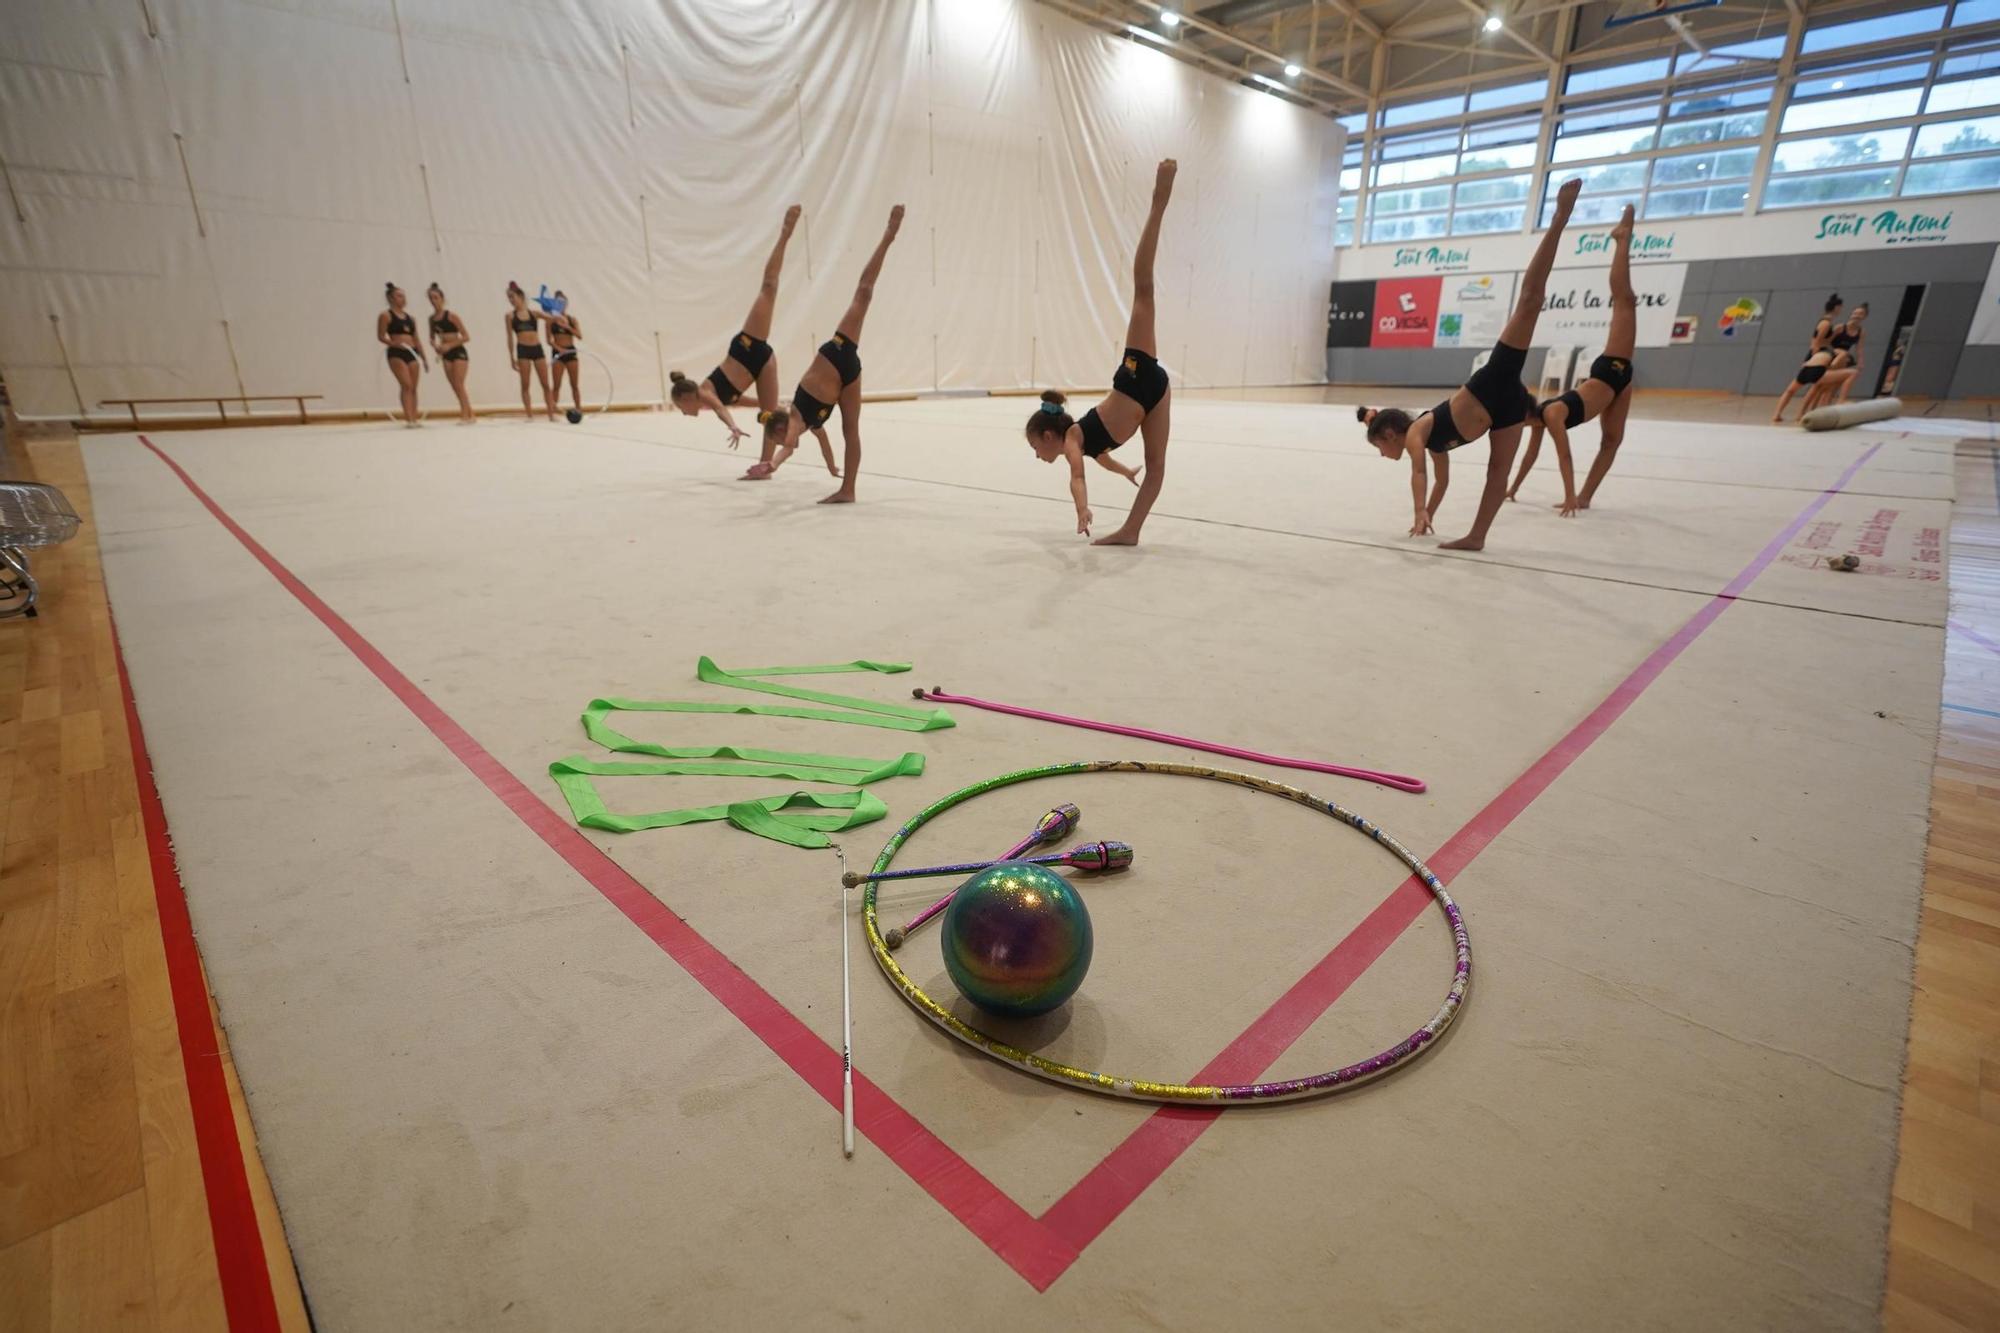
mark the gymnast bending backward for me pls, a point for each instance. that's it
(1491, 403)
(1822, 341)
(448, 340)
(833, 379)
(1140, 401)
(396, 329)
(1606, 394)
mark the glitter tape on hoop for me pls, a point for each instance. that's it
(1146, 1089)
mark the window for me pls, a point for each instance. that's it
(1853, 81)
(1516, 94)
(1473, 222)
(1841, 150)
(1694, 203)
(1958, 136)
(1974, 11)
(1496, 190)
(1412, 201)
(1410, 113)
(1417, 169)
(1590, 212)
(1411, 228)
(1953, 176)
(1888, 27)
(1605, 143)
(1832, 188)
(1615, 76)
(1684, 133)
(1964, 95)
(1828, 112)
(1704, 168)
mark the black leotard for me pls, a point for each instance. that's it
(444, 324)
(403, 323)
(522, 323)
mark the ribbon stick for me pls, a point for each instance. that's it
(1399, 781)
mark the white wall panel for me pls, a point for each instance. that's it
(638, 154)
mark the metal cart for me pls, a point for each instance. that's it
(31, 515)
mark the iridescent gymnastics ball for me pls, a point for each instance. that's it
(1017, 939)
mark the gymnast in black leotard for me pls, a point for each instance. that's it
(1140, 402)
(832, 379)
(1492, 403)
(448, 340)
(1845, 343)
(524, 336)
(565, 330)
(1815, 364)
(396, 329)
(747, 363)
(1605, 394)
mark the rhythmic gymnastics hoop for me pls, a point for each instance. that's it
(1149, 1090)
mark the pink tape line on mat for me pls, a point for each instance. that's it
(1397, 780)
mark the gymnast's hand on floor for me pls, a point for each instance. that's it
(1083, 523)
(1568, 508)
(1421, 527)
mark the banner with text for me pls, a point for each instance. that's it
(1578, 310)
(1406, 312)
(1473, 308)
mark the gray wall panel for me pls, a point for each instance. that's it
(1978, 374)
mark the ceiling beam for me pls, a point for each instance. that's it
(1184, 51)
(1224, 35)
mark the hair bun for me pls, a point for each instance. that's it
(1053, 398)
(1361, 414)
(677, 377)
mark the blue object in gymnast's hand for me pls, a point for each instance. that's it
(553, 305)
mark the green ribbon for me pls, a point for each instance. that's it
(791, 818)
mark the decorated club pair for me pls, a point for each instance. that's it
(1097, 857)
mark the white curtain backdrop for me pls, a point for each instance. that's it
(206, 196)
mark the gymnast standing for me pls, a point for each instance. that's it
(1605, 394)
(564, 332)
(748, 361)
(396, 329)
(832, 380)
(524, 335)
(1140, 401)
(1822, 341)
(1491, 403)
(448, 340)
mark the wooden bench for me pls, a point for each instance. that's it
(132, 404)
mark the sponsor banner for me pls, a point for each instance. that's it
(1406, 311)
(1473, 309)
(1739, 315)
(1578, 309)
(1986, 319)
(1684, 328)
(1350, 314)
(1893, 223)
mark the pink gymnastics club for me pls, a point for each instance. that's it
(1054, 826)
(1399, 781)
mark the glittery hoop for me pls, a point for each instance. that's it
(1146, 1089)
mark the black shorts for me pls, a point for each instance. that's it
(402, 354)
(1142, 378)
(456, 354)
(1811, 374)
(750, 352)
(811, 412)
(844, 356)
(1612, 370)
(524, 352)
(1495, 386)
(562, 354)
(1576, 415)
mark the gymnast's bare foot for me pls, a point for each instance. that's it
(1623, 230)
(1566, 198)
(791, 219)
(1464, 544)
(1118, 538)
(843, 496)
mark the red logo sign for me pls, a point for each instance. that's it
(1406, 311)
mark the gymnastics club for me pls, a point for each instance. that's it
(1054, 826)
(1098, 857)
(1399, 781)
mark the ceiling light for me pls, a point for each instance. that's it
(1168, 18)
(1839, 84)
(1492, 23)
(1291, 71)
(1147, 33)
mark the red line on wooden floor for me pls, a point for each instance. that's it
(242, 1269)
(1040, 1249)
